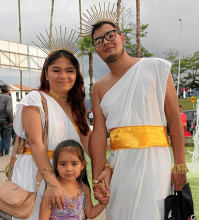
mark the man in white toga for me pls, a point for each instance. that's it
(134, 102)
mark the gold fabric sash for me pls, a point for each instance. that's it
(28, 152)
(138, 137)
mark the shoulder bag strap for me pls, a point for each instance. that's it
(45, 132)
(14, 151)
(45, 135)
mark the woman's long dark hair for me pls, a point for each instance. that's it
(76, 96)
(71, 146)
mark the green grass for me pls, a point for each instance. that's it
(187, 104)
(192, 178)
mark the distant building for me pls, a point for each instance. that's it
(15, 93)
(2, 83)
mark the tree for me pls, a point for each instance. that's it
(189, 69)
(128, 28)
(51, 22)
(87, 48)
(118, 10)
(172, 55)
(80, 21)
(20, 41)
(138, 28)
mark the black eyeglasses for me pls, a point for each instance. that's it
(111, 35)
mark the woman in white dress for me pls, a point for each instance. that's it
(62, 85)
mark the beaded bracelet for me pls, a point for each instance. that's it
(180, 169)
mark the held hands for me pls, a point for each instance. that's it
(55, 196)
(101, 186)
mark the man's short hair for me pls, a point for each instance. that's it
(4, 89)
(99, 24)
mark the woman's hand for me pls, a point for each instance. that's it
(55, 196)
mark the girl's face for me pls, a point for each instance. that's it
(69, 165)
(61, 75)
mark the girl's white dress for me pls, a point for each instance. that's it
(60, 128)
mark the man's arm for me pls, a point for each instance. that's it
(176, 131)
(97, 147)
(98, 138)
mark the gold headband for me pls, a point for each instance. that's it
(59, 42)
(95, 16)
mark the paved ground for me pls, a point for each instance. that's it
(3, 162)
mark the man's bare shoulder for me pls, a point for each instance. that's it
(102, 80)
(102, 85)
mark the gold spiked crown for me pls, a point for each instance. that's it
(97, 15)
(59, 42)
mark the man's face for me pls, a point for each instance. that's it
(181, 109)
(110, 50)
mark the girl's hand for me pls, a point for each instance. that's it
(178, 180)
(55, 196)
(98, 194)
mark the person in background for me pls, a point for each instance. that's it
(189, 92)
(184, 122)
(183, 117)
(6, 118)
(183, 93)
(91, 117)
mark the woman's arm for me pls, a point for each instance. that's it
(32, 124)
(44, 213)
(90, 210)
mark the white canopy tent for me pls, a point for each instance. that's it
(20, 56)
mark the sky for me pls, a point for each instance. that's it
(163, 33)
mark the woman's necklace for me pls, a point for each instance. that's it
(56, 96)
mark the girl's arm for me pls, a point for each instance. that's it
(32, 124)
(44, 213)
(90, 210)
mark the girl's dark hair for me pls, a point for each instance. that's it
(71, 146)
(76, 96)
